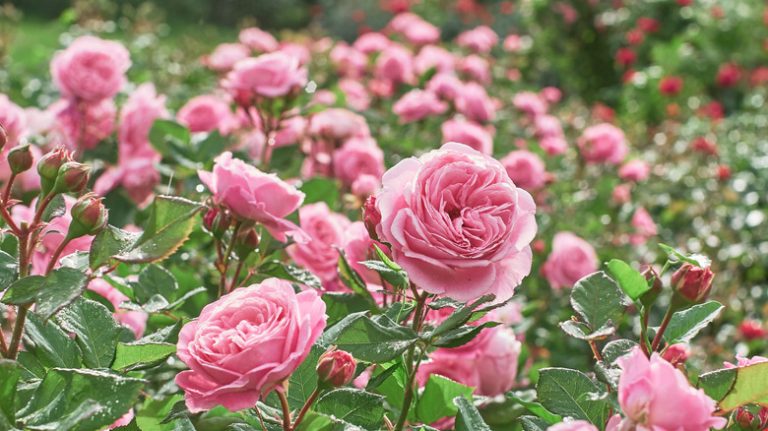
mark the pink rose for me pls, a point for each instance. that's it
(136, 172)
(13, 119)
(571, 259)
(655, 395)
(476, 68)
(603, 143)
(138, 115)
(292, 131)
(457, 224)
(358, 157)
(468, 133)
(348, 60)
(415, 29)
(82, 125)
(257, 39)
(512, 43)
(530, 103)
(445, 86)
(741, 361)
(254, 195)
(247, 343)
(634, 170)
(355, 93)
(297, 50)
(622, 193)
(475, 104)
(395, 64)
(551, 94)
(478, 39)
(434, 57)
(91, 69)
(550, 134)
(525, 169)
(573, 426)
(338, 124)
(206, 113)
(225, 56)
(268, 75)
(643, 225)
(371, 42)
(416, 105)
(135, 320)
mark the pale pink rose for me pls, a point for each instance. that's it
(338, 124)
(571, 259)
(512, 43)
(457, 224)
(371, 42)
(358, 157)
(254, 195)
(51, 235)
(138, 115)
(298, 51)
(476, 68)
(553, 145)
(551, 94)
(603, 143)
(91, 69)
(445, 86)
(622, 193)
(247, 343)
(414, 29)
(530, 103)
(381, 87)
(355, 93)
(135, 320)
(573, 426)
(225, 56)
(655, 395)
(291, 131)
(257, 40)
(319, 255)
(348, 61)
(365, 185)
(13, 119)
(206, 113)
(269, 75)
(478, 39)
(474, 103)
(434, 57)
(82, 125)
(741, 361)
(395, 64)
(323, 97)
(416, 105)
(468, 133)
(643, 225)
(635, 170)
(525, 169)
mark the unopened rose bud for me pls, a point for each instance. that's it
(752, 330)
(650, 296)
(335, 368)
(216, 221)
(3, 137)
(20, 159)
(246, 242)
(371, 216)
(676, 354)
(89, 216)
(48, 167)
(692, 283)
(72, 178)
(747, 419)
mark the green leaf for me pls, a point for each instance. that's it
(354, 406)
(461, 336)
(56, 208)
(340, 305)
(397, 278)
(437, 399)
(532, 423)
(685, 324)
(169, 137)
(676, 256)
(170, 222)
(110, 242)
(468, 418)
(304, 379)
(536, 408)
(96, 331)
(140, 355)
(460, 316)
(10, 372)
(630, 280)
(9, 269)
(582, 331)
(353, 280)
(369, 340)
(49, 344)
(320, 189)
(615, 349)
(50, 293)
(80, 399)
(155, 280)
(598, 299)
(736, 387)
(292, 273)
(571, 393)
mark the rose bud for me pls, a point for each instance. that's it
(20, 159)
(216, 222)
(247, 242)
(676, 354)
(88, 216)
(48, 167)
(747, 419)
(752, 330)
(335, 368)
(371, 216)
(72, 178)
(3, 137)
(650, 296)
(692, 283)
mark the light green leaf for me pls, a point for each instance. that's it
(735, 387)
(437, 399)
(139, 355)
(630, 280)
(598, 299)
(685, 324)
(110, 242)
(354, 406)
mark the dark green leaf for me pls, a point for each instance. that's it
(437, 399)
(155, 280)
(8, 270)
(532, 423)
(96, 331)
(582, 332)
(49, 344)
(340, 305)
(139, 355)
(110, 242)
(468, 418)
(169, 137)
(630, 280)
(598, 299)
(397, 278)
(685, 324)
(9, 376)
(50, 293)
(56, 208)
(460, 316)
(616, 349)
(736, 387)
(321, 189)
(571, 393)
(304, 380)
(369, 340)
(354, 406)
(292, 273)
(524, 399)
(461, 336)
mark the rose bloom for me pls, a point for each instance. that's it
(655, 395)
(474, 103)
(434, 57)
(356, 158)
(635, 170)
(526, 169)
(414, 29)
(622, 193)
(136, 172)
(643, 225)
(578, 425)
(395, 64)
(468, 133)
(348, 61)
(512, 43)
(670, 85)
(530, 103)
(446, 86)
(752, 329)
(416, 105)
(728, 75)
(355, 93)
(268, 75)
(13, 119)
(338, 124)
(550, 134)
(371, 42)
(254, 195)
(225, 56)
(476, 68)
(206, 113)
(257, 40)
(603, 143)
(136, 321)
(551, 94)
(457, 224)
(625, 57)
(139, 114)
(291, 131)
(247, 343)
(298, 51)
(82, 125)
(571, 259)
(90, 69)
(478, 39)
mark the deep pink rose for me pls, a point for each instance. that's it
(91, 69)
(257, 39)
(474, 103)
(356, 158)
(571, 259)
(573, 426)
(468, 133)
(254, 195)
(434, 57)
(292, 131)
(530, 103)
(338, 124)
(445, 86)
(457, 224)
(526, 169)
(603, 143)
(478, 39)
(247, 343)
(395, 64)
(135, 320)
(206, 113)
(635, 170)
(319, 255)
(416, 105)
(655, 395)
(476, 68)
(82, 125)
(225, 56)
(268, 75)
(371, 42)
(551, 94)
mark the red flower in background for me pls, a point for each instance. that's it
(728, 75)
(670, 85)
(625, 57)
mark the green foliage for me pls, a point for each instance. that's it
(50, 293)
(685, 324)
(735, 387)
(371, 340)
(571, 393)
(437, 399)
